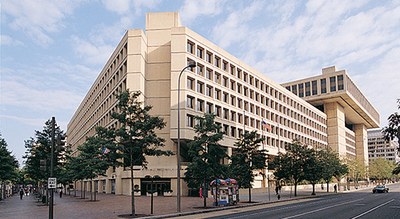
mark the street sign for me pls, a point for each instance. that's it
(52, 183)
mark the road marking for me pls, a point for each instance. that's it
(320, 209)
(372, 209)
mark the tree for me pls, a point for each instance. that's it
(38, 153)
(206, 154)
(135, 135)
(290, 166)
(357, 170)
(246, 158)
(313, 167)
(8, 166)
(381, 169)
(392, 131)
(331, 166)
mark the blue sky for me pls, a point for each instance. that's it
(52, 51)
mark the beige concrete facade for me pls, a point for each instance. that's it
(378, 147)
(241, 97)
(349, 114)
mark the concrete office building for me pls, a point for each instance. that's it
(349, 114)
(378, 147)
(241, 97)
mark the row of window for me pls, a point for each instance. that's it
(232, 75)
(259, 109)
(235, 132)
(310, 88)
(200, 105)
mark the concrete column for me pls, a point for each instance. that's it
(336, 128)
(360, 131)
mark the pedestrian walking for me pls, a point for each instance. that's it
(61, 192)
(335, 188)
(21, 193)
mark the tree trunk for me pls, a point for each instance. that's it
(132, 189)
(249, 194)
(313, 189)
(327, 186)
(295, 188)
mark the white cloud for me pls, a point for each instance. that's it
(192, 9)
(9, 41)
(90, 52)
(124, 7)
(38, 18)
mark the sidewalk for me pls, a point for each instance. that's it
(113, 206)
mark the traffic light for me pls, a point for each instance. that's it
(61, 141)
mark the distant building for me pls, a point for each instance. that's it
(378, 147)
(349, 113)
(241, 98)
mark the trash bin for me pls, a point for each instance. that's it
(44, 199)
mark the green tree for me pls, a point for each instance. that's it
(392, 131)
(135, 135)
(206, 154)
(290, 166)
(39, 148)
(8, 166)
(331, 166)
(381, 169)
(357, 171)
(247, 158)
(313, 167)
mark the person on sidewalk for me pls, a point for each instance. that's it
(21, 193)
(335, 188)
(61, 192)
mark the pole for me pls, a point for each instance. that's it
(152, 191)
(53, 124)
(178, 148)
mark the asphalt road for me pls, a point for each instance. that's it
(359, 204)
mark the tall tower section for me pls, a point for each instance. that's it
(349, 113)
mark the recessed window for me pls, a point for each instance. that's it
(189, 120)
(190, 47)
(332, 81)
(323, 85)
(200, 87)
(190, 102)
(209, 57)
(190, 83)
(200, 52)
(340, 82)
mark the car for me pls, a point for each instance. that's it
(380, 189)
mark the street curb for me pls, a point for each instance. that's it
(231, 207)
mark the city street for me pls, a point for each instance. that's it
(113, 206)
(356, 204)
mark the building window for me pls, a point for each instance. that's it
(218, 111)
(217, 94)
(189, 120)
(200, 70)
(209, 108)
(217, 78)
(200, 87)
(209, 57)
(225, 82)
(226, 113)
(217, 62)
(190, 47)
(226, 97)
(200, 52)
(209, 90)
(314, 87)
(200, 105)
(225, 66)
(332, 81)
(190, 83)
(233, 116)
(323, 85)
(294, 89)
(209, 74)
(301, 90)
(340, 82)
(233, 85)
(190, 102)
(308, 89)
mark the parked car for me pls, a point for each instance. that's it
(380, 189)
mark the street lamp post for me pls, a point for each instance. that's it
(191, 64)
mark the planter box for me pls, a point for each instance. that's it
(167, 193)
(149, 194)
